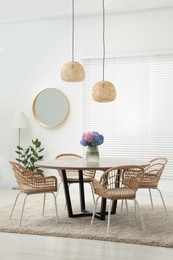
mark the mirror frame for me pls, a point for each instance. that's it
(36, 115)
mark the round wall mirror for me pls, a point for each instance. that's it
(50, 107)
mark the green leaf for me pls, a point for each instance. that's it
(39, 170)
(33, 160)
(19, 148)
(40, 150)
(32, 149)
(19, 160)
(25, 161)
(38, 144)
(18, 152)
(27, 151)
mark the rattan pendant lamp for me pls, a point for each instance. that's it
(103, 91)
(72, 71)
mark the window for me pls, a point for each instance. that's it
(138, 124)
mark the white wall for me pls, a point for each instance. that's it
(31, 57)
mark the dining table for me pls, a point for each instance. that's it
(80, 164)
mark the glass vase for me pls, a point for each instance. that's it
(92, 154)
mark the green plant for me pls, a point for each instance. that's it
(29, 156)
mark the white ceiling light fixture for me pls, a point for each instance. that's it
(104, 91)
(73, 71)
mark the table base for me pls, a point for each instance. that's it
(84, 213)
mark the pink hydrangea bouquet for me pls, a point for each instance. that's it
(92, 138)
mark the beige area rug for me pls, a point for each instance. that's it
(159, 227)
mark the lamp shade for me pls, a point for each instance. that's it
(73, 72)
(104, 91)
(19, 120)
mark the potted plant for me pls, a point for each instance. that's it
(28, 157)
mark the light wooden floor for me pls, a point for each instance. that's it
(23, 247)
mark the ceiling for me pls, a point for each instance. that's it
(27, 10)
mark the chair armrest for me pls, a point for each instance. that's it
(44, 183)
(97, 186)
(37, 174)
(44, 179)
(150, 177)
(89, 173)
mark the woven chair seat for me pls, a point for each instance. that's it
(75, 179)
(116, 193)
(113, 193)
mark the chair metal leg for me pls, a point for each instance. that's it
(23, 207)
(135, 209)
(137, 204)
(151, 199)
(122, 202)
(14, 204)
(22, 211)
(58, 188)
(94, 210)
(109, 217)
(56, 209)
(163, 201)
(92, 192)
(127, 210)
(44, 204)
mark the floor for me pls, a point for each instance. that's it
(23, 247)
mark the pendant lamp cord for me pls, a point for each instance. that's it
(72, 30)
(103, 39)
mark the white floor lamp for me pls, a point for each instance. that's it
(19, 121)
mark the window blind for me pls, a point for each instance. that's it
(139, 123)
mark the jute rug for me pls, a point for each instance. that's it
(159, 227)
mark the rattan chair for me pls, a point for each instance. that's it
(152, 175)
(72, 175)
(111, 187)
(33, 183)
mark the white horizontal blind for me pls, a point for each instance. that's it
(138, 124)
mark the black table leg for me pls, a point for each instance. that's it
(81, 190)
(67, 194)
(83, 213)
(100, 215)
(103, 209)
(114, 207)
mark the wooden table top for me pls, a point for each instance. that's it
(81, 164)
